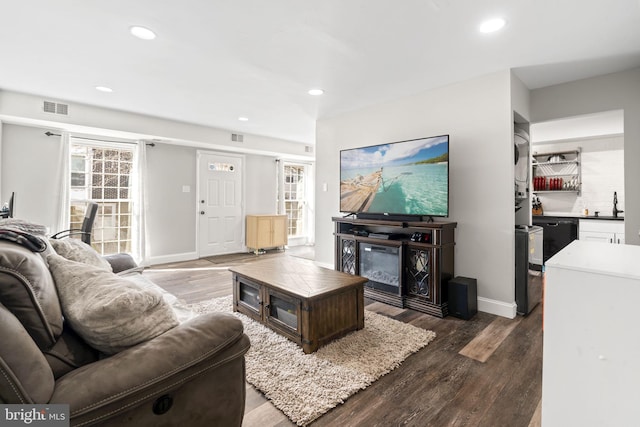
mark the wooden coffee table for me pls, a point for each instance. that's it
(308, 304)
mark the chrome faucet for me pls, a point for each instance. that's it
(615, 205)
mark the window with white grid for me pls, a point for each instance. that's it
(294, 198)
(103, 174)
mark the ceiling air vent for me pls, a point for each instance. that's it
(308, 149)
(236, 137)
(49, 107)
(62, 109)
(52, 107)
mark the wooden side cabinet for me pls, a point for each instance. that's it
(266, 231)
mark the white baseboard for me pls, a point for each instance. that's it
(164, 259)
(499, 308)
(486, 305)
(323, 264)
(297, 241)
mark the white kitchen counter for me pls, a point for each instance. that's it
(591, 349)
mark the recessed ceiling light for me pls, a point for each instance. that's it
(315, 92)
(492, 25)
(104, 89)
(243, 119)
(142, 33)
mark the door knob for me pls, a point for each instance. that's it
(201, 212)
(201, 201)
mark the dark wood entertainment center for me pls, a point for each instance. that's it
(425, 262)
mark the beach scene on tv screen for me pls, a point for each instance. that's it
(408, 177)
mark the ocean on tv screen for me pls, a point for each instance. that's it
(410, 177)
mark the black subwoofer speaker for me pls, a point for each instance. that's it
(463, 297)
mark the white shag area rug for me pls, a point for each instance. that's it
(305, 386)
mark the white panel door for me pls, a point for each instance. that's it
(219, 204)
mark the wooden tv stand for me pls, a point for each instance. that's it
(425, 266)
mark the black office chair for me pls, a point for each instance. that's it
(87, 225)
(9, 212)
(12, 202)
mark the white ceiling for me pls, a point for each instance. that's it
(214, 60)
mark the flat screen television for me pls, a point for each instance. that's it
(405, 178)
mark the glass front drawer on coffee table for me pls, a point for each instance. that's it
(283, 312)
(249, 295)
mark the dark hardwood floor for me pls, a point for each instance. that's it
(483, 372)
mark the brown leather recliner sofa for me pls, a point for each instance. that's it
(191, 375)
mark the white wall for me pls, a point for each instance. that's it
(29, 161)
(520, 104)
(31, 167)
(20, 108)
(477, 114)
(520, 99)
(602, 168)
(260, 176)
(173, 213)
(604, 93)
(171, 219)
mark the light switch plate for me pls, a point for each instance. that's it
(186, 189)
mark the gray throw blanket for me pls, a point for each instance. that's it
(29, 235)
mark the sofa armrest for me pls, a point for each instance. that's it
(145, 372)
(25, 375)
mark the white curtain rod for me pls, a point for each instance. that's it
(152, 144)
